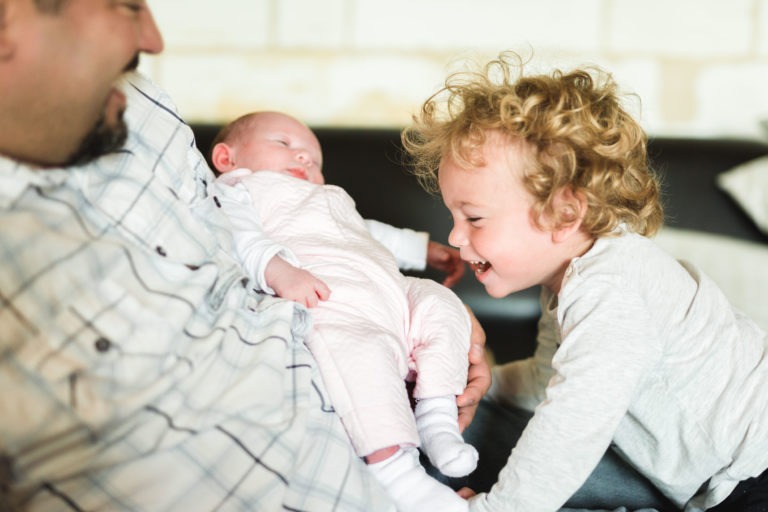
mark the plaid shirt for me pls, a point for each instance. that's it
(138, 371)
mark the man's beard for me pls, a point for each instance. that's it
(102, 139)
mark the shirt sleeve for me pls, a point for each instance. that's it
(522, 383)
(254, 248)
(408, 246)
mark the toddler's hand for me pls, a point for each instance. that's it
(478, 378)
(445, 259)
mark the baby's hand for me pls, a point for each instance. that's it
(294, 283)
(445, 259)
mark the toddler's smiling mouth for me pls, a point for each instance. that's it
(478, 267)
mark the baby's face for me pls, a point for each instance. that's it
(278, 142)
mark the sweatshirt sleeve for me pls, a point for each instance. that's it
(522, 383)
(408, 246)
(254, 248)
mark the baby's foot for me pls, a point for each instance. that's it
(411, 488)
(437, 423)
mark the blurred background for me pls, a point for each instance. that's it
(699, 67)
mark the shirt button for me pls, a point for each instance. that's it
(103, 344)
(7, 473)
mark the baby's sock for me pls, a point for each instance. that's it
(437, 422)
(409, 486)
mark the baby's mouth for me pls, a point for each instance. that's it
(297, 172)
(478, 267)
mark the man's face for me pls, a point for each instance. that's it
(70, 61)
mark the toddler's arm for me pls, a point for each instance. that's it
(295, 283)
(522, 383)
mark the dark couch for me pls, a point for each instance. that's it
(368, 163)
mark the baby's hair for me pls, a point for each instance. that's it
(576, 135)
(230, 134)
(232, 131)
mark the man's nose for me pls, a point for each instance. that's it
(150, 38)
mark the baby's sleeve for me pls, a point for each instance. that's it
(408, 246)
(254, 248)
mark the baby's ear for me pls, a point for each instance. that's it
(569, 207)
(222, 157)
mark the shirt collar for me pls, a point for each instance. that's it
(16, 178)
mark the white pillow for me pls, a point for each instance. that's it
(739, 267)
(747, 184)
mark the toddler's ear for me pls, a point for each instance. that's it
(570, 208)
(222, 157)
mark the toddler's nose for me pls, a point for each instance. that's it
(456, 238)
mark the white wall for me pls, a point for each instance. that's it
(700, 67)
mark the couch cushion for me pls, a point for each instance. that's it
(689, 168)
(747, 184)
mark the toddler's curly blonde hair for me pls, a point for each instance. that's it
(573, 126)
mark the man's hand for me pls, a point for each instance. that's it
(294, 283)
(445, 259)
(479, 377)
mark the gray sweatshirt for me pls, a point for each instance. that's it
(643, 352)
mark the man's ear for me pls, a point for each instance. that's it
(222, 157)
(7, 46)
(570, 208)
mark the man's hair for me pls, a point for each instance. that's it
(574, 131)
